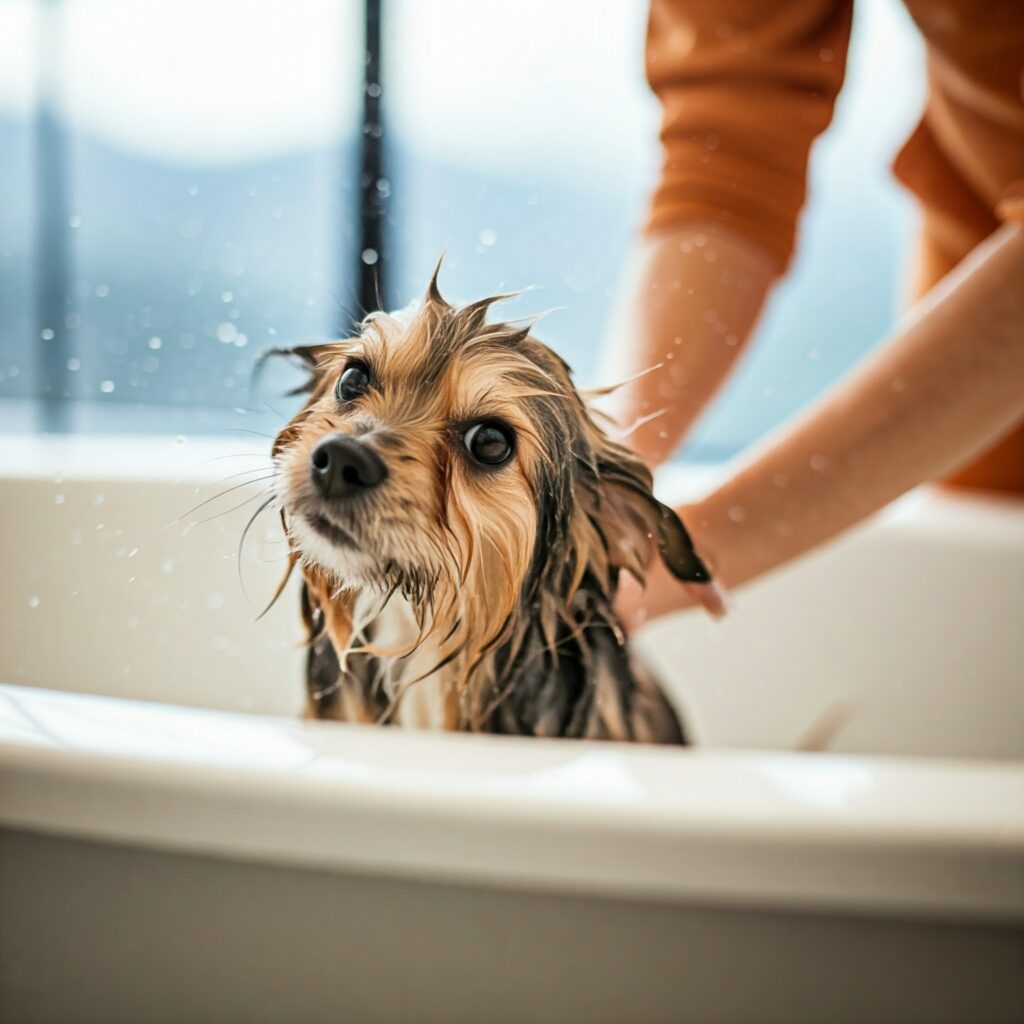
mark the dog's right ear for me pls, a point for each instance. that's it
(305, 357)
(309, 358)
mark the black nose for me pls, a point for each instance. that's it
(342, 466)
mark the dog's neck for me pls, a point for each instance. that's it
(562, 670)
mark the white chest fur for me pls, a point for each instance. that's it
(420, 700)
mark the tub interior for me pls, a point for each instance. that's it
(906, 633)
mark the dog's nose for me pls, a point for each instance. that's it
(342, 467)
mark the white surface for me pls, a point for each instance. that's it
(915, 619)
(750, 828)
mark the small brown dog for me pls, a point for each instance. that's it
(461, 522)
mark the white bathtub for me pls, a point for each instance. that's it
(178, 847)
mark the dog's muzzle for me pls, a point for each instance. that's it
(343, 467)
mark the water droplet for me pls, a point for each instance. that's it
(102, 291)
(813, 354)
(488, 237)
(155, 343)
(58, 499)
(818, 463)
(214, 601)
(47, 334)
(369, 257)
(737, 513)
(75, 221)
(74, 364)
(33, 602)
(780, 480)
(373, 90)
(133, 552)
(167, 566)
(98, 500)
(181, 439)
(106, 386)
(227, 332)
(898, 384)
(193, 190)
(825, 53)
(226, 296)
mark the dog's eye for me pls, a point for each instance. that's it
(353, 382)
(490, 444)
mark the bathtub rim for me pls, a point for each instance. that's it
(424, 806)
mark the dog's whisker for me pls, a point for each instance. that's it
(224, 493)
(235, 508)
(178, 520)
(246, 430)
(241, 542)
(239, 455)
(244, 472)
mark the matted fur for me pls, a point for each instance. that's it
(493, 586)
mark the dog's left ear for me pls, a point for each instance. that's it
(630, 517)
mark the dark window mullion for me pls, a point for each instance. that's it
(373, 185)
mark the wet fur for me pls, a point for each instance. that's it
(470, 598)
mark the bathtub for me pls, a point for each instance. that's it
(177, 846)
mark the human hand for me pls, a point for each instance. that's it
(661, 594)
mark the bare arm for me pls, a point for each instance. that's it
(948, 382)
(691, 299)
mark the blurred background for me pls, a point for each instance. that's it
(186, 183)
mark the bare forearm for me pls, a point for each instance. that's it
(691, 301)
(947, 383)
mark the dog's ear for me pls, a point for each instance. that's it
(309, 358)
(305, 357)
(631, 518)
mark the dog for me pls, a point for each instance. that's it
(461, 522)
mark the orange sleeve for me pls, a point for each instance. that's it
(745, 86)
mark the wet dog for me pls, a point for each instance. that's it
(461, 522)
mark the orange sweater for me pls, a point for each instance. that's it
(747, 85)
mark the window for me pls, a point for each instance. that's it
(186, 179)
(196, 180)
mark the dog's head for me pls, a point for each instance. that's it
(453, 461)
